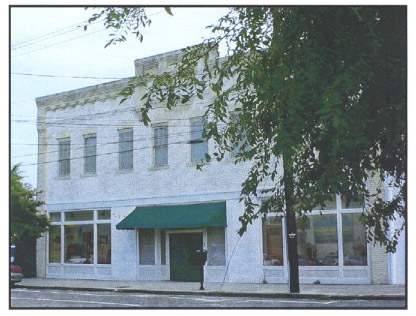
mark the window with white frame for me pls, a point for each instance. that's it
(64, 157)
(146, 246)
(125, 149)
(333, 237)
(160, 145)
(199, 146)
(80, 237)
(216, 246)
(239, 140)
(90, 154)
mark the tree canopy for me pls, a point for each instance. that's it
(26, 225)
(314, 97)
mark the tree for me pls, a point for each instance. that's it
(25, 224)
(320, 96)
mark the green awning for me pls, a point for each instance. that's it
(176, 216)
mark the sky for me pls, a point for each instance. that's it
(51, 53)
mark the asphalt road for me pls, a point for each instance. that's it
(22, 298)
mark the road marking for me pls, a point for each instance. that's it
(76, 301)
(291, 301)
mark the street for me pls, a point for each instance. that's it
(47, 298)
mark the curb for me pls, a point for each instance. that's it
(322, 297)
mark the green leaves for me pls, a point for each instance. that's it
(323, 86)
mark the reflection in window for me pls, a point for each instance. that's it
(216, 246)
(354, 240)
(90, 154)
(55, 243)
(147, 246)
(318, 243)
(160, 146)
(125, 149)
(79, 244)
(79, 216)
(104, 243)
(199, 146)
(64, 157)
(272, 241)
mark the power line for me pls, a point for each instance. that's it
(68, 77)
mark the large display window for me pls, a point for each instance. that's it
(333, 237)
(82, 237)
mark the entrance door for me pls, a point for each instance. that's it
(182, 248)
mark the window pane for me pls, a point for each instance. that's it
(161, 145)
(318, 243)
(330, 204)
(357, 202)
(163, 247)
(90, 152)
(272, 241)
(55, 217)
(216, 247)
(55, 244)
(104, 214)
(104, 243)
(79, 216)
(64, 157)
(126, 149)
(147, 246)
(79, 244)
(199, 146)
(354, 240)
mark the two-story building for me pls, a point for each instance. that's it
(126, 201)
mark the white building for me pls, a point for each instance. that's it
(127, 202)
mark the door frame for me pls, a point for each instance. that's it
(182, 231)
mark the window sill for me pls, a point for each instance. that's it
(63, 178)
(155, 168)
(127, 171)
(88, 175)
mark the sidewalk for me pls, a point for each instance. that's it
(321, 291)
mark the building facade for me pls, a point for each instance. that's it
(126, 201)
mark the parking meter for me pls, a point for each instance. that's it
(200, 259)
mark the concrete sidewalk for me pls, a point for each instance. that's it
(321, 291)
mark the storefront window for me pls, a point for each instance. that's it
(55, 243)
(147, 246)
(79, 216)
(272, 241)
(318, 243)
(104, 214)
(354, 240)
(216, 247)
(80, 244)
(104, 243)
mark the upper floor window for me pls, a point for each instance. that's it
(240, 140)
(125, 149)
(160, 148)
(90, 154)
(64, 159)
(199, 146)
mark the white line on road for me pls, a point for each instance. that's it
(74, 301)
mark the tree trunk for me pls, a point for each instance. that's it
(291, 230)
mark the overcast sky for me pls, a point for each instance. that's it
(50, 53)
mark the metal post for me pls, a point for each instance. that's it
(202, 278)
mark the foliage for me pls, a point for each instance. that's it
(318, 91)
(25, 224)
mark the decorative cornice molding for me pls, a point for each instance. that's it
(73, 98)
